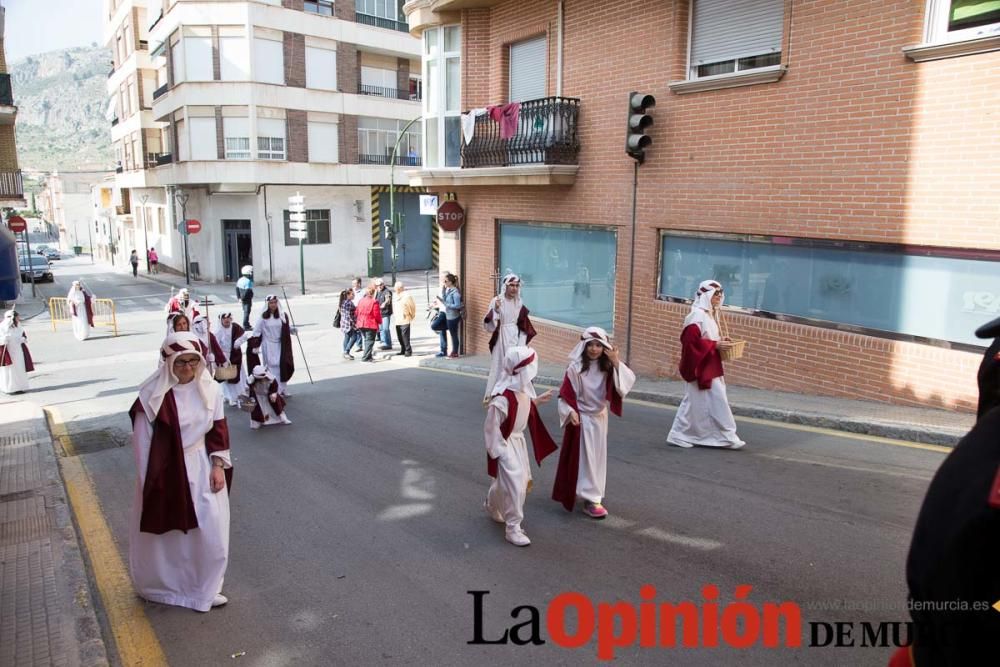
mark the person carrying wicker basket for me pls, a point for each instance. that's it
(704, 417)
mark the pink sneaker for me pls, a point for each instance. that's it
(594, 510)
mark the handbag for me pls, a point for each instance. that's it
(439, 322)
(336, 320)
(223, 373)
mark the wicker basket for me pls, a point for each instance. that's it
(223, 373)
(246, 404)
(738, 346)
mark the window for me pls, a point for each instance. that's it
(236, 133)
(323, 139)
(317, 228)
(270, 139)
(733, 36)
(527, 69)
(203, 145)
(568, 271)
(957, 20)
(160, 224)
(321, 7)
(183, 154)
(377, 137)
(442, 102)
(268, 57)
(176, 59)
(878, 288)
(197, 46)
(234, 55)
(378, 81)
(321, 68)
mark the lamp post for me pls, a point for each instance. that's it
(145, 235)
(394, 224)
(182, 199)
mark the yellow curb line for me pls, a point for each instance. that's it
(135, 639)
(767, 422)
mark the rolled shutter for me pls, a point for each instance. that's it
(527, 69)
(729, 29)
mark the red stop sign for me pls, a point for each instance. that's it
(451, 216)
(17, 224)
(193, 226)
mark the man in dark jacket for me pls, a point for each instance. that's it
(384, 297)
(244, 292)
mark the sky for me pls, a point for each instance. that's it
(37, 26)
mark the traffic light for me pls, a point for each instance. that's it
(636, 140)
(390, 233)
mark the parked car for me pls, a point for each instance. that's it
(39, 266)
(50, 253)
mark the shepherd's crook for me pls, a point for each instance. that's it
(301, 350)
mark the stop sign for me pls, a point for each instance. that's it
(193, 226)
(17, 224)
(451, 216)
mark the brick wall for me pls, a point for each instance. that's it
(344, 10)
(216, 56)
(347, 139)
(348, 72)
(8, 148)
(293, 4)
(402, 74)
(295, 59)
(220, 135)
(855, 142)
(296, 125)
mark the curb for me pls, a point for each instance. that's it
(943, 436)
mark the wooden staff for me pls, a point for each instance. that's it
(301, 350)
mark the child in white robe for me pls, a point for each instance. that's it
(15, 360)
(269, 406)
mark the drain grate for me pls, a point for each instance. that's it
(25, 530)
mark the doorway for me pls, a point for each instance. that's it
(237, 247)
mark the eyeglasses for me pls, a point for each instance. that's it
(190, 363)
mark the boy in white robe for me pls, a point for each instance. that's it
(81, 310)
(511, 410)
(15, 360)
(594, 380)
(269, 407)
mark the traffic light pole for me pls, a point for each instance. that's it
(631, 264)
(182, 198)
(395, 226)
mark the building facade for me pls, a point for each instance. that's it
(11, 186)
(68, 206)
(828, 163)
(244, 104)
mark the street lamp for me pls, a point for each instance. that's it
(145, 235)
(182, 199)
(392, 196)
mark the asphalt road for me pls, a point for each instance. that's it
(358, 531)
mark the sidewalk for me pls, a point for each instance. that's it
(46, 608)
(925, 425)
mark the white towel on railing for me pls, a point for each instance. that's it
(469, 124)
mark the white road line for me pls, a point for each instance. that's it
(154, 302)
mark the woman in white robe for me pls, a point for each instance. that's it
(275, 331)
(14, 362)
(227, 333)
(595, 379)
(81, 310)
(509, 326)
(704, 418)
(179, 537)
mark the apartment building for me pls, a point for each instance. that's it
(67, 204)
(831, 163)
(250, 102)
(11, 187)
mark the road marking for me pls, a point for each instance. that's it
(154, 302)
(765, 422)
(125, 302)
(135, 639)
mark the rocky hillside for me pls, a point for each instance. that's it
(61, 99)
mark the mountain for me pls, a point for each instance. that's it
(61, 98)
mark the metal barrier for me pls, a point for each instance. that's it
(104, 312)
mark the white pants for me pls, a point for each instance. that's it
(704, 417)
(509, 489)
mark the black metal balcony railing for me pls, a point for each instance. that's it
(379, 22)
(119, 169)
(6, 94)
(163, 158)
(160, 91)
(11, 184)
(143, 45)
(114, 121)
(545, 133)
(401, 160)
(379, 91)
(112, 72)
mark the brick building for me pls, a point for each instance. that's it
(833, 163)
(11, 185)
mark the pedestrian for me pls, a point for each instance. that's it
(268, 404)
(405, 311)
(359, 293)
(227, 333)
(81, 308)
(511, 410)
(179, 533)
(595, 379)
(368, 319)
(275, 332)
(384, 297)
(178, 322)
(154, 261)
(348, 321)
(215, 357)
(450, 300)
(952, 554)
(244, 292)
(134, 261)
(704, 417)
(15, 359)
(508, 324)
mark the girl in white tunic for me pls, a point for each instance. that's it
(14, 360)
(275, 332)
(81, 310)
(704, 417)
(269, 407)
(595, 379)
(508, 324)
(179, 538)
(227, 333)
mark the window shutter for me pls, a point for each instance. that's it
(527, 70)
(729, 29)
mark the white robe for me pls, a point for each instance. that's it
(177, 568)
(505, 498)
(13, 378)
(509, 336)
(269, 330)
(231, 392)
(704, 417)
(260, 389)
(591, 398)
(81, 327)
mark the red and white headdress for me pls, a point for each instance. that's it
(520, 366)
(156, 386)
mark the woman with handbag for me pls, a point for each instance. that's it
(346, 321)
(704, 417)
(232, 376)
(450, 302)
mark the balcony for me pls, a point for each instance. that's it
(392, 93)
(6, 94)
(143, 45)
(114, 121)
(401, 160)
(379, 22)
(11, 184)
(119, 168)
(159, 92)
(163, 158)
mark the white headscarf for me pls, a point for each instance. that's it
(260, 372)
(156, 386)
(218, 322)
(589, 334)
(267, 300)
(520, 366)
(701, 308)
(8, 321)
